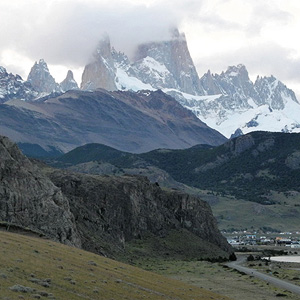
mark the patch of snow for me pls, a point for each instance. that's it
(227, 121)
(233, 74)
(276, 121)
(206, 98)
(153, 64)
(252, 103)
(154, 69)
(126, 82)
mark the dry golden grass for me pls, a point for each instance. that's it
(55, 271)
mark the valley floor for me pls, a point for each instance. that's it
(217, 278)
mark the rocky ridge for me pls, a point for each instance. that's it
(128, 121)
(233, 103)
(40, 83)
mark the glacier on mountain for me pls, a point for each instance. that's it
(266, 105)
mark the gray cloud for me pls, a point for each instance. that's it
(66, 32)
(264, 59)
(212, 22)
(265, 13)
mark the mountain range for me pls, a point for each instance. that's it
(129, 121)
(228, 102)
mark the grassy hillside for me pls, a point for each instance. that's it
(37, 268)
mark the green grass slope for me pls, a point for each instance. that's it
(32, 268)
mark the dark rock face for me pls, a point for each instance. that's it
(30, 199)
(115, 210)
(240, 144)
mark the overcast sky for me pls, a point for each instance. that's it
(261, 34)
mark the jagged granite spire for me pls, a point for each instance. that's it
(100, 73)
(69, 83)
(174, 59)
(41, 79)
(210, 85)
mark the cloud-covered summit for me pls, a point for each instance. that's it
(65, 32)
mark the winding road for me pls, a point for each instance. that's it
(275, 281)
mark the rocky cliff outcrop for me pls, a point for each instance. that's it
(30, 199)
(111, 210)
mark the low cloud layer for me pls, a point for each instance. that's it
(66, 32)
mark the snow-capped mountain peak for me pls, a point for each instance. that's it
(69, 82)
(273, 92)
(100, 73)
(245, 106)
(41, 79)
(156, 65)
